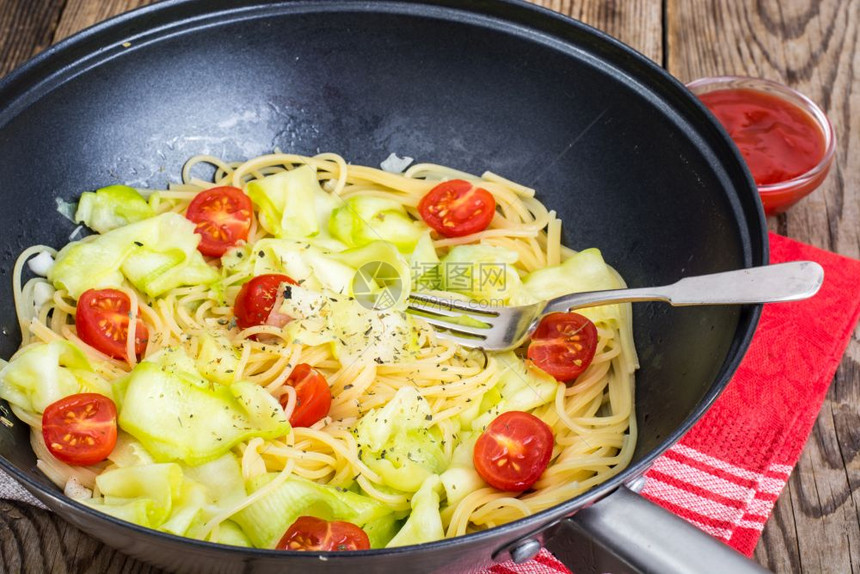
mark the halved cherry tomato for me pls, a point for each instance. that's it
(456, 208)
(101, 319)
(311, 533)
(563, 345)
(313, 397)
(223, 218)
(80, 429)
(256, 299)
(514, 451)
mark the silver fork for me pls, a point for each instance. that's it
(472, 324)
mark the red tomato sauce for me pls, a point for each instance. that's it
(778, 140)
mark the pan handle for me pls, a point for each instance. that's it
(631, 534)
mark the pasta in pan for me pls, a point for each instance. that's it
(407, 407)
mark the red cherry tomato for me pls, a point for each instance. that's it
(514, 451)
(456, 208)
(563, 345)
(256, 299)
(313, 397)
(101, 319)
(311, 533)
(223, 218)
(80, 429)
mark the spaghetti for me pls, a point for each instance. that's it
(592, 420)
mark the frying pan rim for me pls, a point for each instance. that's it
(30, 76)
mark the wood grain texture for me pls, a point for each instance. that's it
(26, 28)
(80, 14)
(34, 541)
(812, 46)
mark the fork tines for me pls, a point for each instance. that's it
(461, 320)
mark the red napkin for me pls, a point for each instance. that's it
(725, 475)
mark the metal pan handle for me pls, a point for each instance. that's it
(631, 534)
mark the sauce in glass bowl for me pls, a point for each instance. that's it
(785, 139)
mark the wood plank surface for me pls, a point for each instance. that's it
(80, 14)
(26, 28)
(809, 44)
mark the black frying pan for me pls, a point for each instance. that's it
(631, 161)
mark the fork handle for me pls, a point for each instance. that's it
(768, 284)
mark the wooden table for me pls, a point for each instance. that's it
(813, 45)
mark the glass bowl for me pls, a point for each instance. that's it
(777, 197)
